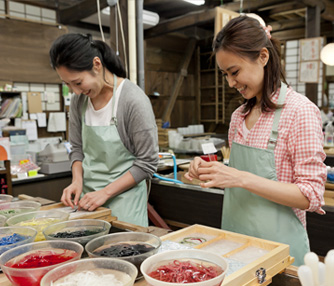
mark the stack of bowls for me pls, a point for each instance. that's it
(5, 198)
(38, 220)
(133, 247)
(9, 209)
(2, 220)
(27, 264)
(79, 230)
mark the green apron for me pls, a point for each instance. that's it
(105, 160)
(250, 214)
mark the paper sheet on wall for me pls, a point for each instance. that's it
(57, 122)
(50, 97)
(33, 116)
(41, 119)
(34, 102)
(31, 129)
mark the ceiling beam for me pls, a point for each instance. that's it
(251, 5)
(80, 11)
(287, 24)
(179, 23)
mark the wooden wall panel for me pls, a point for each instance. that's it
(24, 51)
(163, 57)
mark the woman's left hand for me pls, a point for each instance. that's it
(216, 174)
(93, 200)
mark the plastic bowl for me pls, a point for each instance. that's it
(38, 220)
(120, 239)
(66, 228)
(97, 266)
(10, 234)
(32, 275)
(5, 198)
(151, 263)
(2, 220)
(10, 209)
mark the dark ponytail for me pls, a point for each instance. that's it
(77, 51)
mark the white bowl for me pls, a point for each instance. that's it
(151, 263)
(122, 269)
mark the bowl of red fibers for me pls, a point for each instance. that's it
(27, 264)
(192, 267)
(92, 271)
(133, 247)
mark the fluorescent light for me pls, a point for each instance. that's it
(196, 2)
(150, 19)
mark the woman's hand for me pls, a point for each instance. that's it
(193, 169)
(93, 200)
(216, 174)
(73, 189)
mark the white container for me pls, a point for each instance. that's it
(329, 133)
(149, 264)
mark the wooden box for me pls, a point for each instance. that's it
(272, 256)
(222, 17)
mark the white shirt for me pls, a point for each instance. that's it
(102, 117)
(245, 130)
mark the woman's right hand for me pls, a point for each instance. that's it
(75, 189)
(193, 169)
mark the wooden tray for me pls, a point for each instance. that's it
(99, 213)
(274, 257)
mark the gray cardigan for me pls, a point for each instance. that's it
(136, 127)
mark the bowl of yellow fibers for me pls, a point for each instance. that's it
(39, 220)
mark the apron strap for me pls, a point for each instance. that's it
(113, 114)
(274, 130)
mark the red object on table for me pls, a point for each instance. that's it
(209, 158)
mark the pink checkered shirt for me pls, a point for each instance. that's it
(299, 153)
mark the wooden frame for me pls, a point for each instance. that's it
(274, 261)
(309, 71)
(309, 49)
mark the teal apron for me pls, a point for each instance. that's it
(105, 160)
(250, 214)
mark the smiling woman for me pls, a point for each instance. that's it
(276, 172)
(112, 130)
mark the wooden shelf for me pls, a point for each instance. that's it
(211, 103)
(211, 86)
(199, 134)
(207, 70)
(209, 120)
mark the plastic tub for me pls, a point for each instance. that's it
(28, 256)
(20, 234)
(148, 243)
(9, 209)
(81, 230)
(5, 198)
(97, 267)
(38, 220)
(2, 220)
(151, 264)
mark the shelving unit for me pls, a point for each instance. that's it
(9, 95)
(217, 100)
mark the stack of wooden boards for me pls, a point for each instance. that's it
(162, 133)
